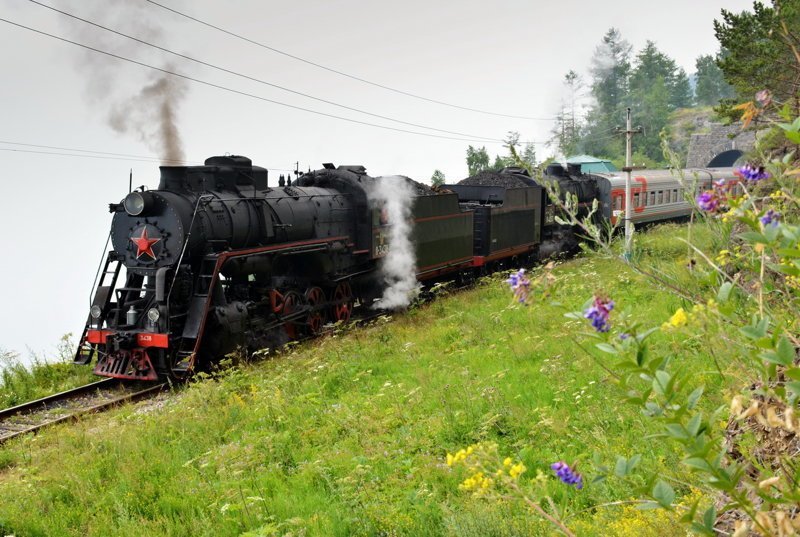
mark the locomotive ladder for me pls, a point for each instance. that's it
(193, 327)
(102, 298)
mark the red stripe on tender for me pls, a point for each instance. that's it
(444, 264)
(480, 260)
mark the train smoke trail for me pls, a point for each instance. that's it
(399, 268)
(152, 116)
(151, 112)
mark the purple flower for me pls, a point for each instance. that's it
(771, 218)
(623, 336)
(567, 474)
(598, 313)
(520, 285)
(707, 201)
(752, 172)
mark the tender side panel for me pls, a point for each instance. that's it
(442, 234)
(517, 222)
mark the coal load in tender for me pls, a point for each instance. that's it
(493, 178)
(420, 189)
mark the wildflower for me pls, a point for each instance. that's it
(520, 285)
(516, 470)
(477, 482)
(623, 336)
(707, 201)
(678, 319)
(460, 456)
(771, 218)
(753, 173)
(763, 98)
(719, 183)
(598, 313)
(567, 474)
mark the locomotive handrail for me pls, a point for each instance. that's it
(97, 274)
(205, 197)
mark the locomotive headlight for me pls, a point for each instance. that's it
(137, 203)
(153, 315)
(95, 312)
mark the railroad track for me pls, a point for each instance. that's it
(107, 393)
(69, 405)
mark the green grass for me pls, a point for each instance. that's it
(20, 383)
(348, 434)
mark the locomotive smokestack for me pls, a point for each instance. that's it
(172, 177)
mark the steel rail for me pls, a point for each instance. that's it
(36, 411)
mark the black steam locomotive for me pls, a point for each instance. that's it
(215, 258)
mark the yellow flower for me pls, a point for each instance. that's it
(678, 319)
(450, 459)
(516, 470)
(507, 462)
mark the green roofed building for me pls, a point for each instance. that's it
(590, 164)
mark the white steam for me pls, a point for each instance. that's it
(398, 268)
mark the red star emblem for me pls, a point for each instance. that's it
(144, 244)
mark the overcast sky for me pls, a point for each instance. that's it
(505, 57)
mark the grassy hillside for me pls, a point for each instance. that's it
(349, 434)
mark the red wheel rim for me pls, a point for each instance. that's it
(342, 302)
(290, 303)
(316, 299)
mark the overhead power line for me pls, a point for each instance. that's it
(238, 92)
(88, 153)
(341, 73)
(260, 81)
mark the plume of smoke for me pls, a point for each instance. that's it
(398, 268)
(152, 116)
(151, 112)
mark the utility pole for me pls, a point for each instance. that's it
(629, 132)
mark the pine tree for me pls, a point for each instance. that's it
(610, 70)
(711, 84)
(758, 49)
(566, 132)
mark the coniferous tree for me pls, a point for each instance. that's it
(529, 155)
(758, 49)
(711, 84)
(682, 95)
(609, 70)
(567, 130)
